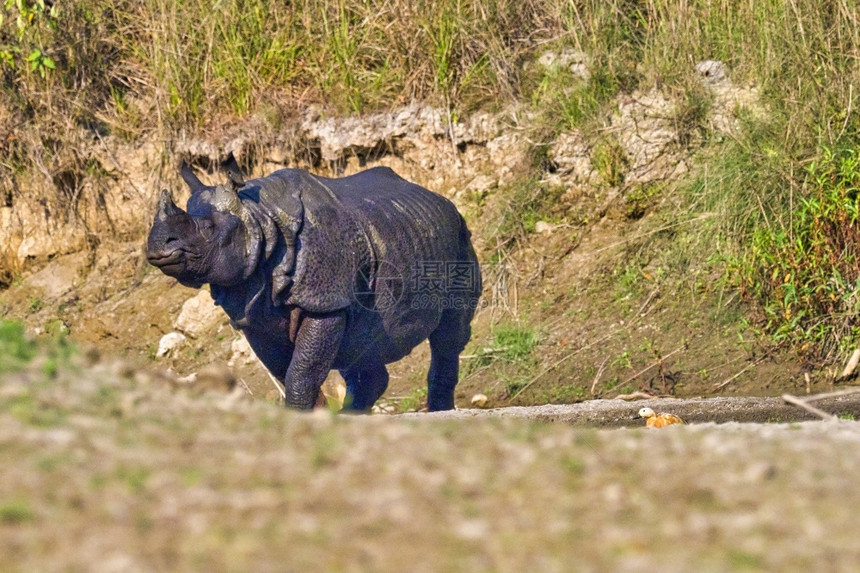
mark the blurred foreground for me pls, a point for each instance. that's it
(112, 469)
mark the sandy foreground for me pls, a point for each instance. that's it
(111, 470)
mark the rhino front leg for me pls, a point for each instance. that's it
(317, 344)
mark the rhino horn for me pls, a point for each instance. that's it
(190, 178)
(166, 207)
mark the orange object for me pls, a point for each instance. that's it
(653, 420)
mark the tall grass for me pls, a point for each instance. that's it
(195, 58)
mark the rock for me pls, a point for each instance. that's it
(198, 315)
(482, 183)
(383, 407)
(240, 353)
(334, 390)
(548, 59)
(542, 227)
(418, 126)
(510, 154)
(169, 342)
(574, 60)
(571, 154)
(58, 277)
(712, 71)
(647, 132)
(479, 400)
(727, 97)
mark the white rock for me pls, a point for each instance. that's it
(198, 315)
(479, 400)
(240, 353)
(712, 71)
(169, 342)
(543, 227)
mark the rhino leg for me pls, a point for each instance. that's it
(446, 344)
(317, 344)
(364, 386)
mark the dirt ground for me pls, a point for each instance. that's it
(119, 470)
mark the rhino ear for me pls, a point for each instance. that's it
(226, 199)
(234, 173)
(190, 178)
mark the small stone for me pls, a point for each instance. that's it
(482, 183)
(712, 71)
(240, 353)
(548, 59)
(543, 227)
(479, 400)
(169, 342)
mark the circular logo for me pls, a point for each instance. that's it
(380, 287)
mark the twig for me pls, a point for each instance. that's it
(485, 352)
(701, 217)
(641, 311)
(598, 375)
(729, 380)
(277, 385)
(811, 409)
(837, 394)
(634, 396)
(245, 386)
(847, 113)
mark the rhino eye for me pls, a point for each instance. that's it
(205, 227)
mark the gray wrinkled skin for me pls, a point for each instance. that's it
(320, 273)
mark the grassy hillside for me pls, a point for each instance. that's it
(782, 193)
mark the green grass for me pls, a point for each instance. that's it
(413, 401)
(15, 512)
(801, 266)
(15, 348)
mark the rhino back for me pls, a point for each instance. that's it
(408, 230)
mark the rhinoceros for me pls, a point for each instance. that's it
(323, 273)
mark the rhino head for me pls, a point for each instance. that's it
(206, 244)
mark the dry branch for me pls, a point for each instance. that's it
(800, 403)
(836, 394)
(851, 365)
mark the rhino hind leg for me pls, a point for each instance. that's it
(446, 343)
(364, 386)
